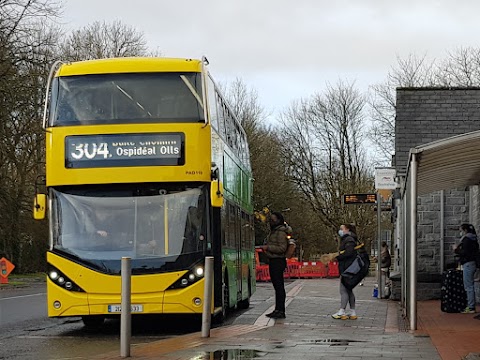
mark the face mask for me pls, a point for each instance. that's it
(461, 233)
(340, 232)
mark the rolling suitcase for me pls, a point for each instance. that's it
(454, 297)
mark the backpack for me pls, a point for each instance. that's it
(290, 248)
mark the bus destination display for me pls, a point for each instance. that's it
(117, 150)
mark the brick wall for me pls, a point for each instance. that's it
(425, 115)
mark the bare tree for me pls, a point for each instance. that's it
(25, 53)
(323, 150)
(414, 71)
(265, 150)
(461, 68)
(102, 40)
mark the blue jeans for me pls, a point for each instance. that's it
(469, 269)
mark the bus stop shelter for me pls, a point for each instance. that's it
(440, 165)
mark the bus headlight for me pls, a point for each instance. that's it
(61, 280)
(199, 271)
(189, 278)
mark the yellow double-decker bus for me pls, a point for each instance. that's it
(144, 159)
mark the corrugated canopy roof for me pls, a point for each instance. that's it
(449, 163)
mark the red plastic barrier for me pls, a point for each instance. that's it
(333, 269)
(312, 269)
(263, 273)
(301, 270)
(293, 270)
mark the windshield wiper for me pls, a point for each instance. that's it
(131, 98)
(192, 89)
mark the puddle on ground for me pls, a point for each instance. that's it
(333, 342)
(230, 354)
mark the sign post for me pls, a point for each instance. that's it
(384, 180)
(6, 268)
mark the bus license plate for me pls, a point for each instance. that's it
(118, 308)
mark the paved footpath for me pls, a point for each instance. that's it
(308, 332)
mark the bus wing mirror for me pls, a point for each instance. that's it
(39, 206)
(216, 193)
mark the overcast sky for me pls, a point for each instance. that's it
(289, 49)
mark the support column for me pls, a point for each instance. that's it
(412, 313)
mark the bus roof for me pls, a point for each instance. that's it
(129, 65)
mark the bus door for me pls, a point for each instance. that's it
(238, 248)
(245, 232)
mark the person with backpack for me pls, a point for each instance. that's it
(350, 251)
(468, 250)
(275, 249)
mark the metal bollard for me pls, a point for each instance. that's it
(126, 314)
(207, 297)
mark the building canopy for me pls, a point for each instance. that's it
(448, 163)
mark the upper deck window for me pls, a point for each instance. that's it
(126, 98)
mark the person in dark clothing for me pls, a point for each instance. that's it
(275, 249)
(347, 254)
(386, 258)
(468, 251)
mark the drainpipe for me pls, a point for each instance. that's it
(442, 231)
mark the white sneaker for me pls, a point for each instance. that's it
(340, 314)
(352, 315)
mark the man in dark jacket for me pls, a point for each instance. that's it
(468, 251)
(275, 250)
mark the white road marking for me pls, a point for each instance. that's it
(21, 296)
(266, 321)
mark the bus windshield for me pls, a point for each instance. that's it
(126, 98)
(159, 230)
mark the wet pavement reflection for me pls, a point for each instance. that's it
(230, 354)
(54, 339)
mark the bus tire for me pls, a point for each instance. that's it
(222, 316)
(226, 298)
(93, 321)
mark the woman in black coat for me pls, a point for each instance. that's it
(347, 255)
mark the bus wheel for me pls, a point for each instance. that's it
(220, 318)
(93, 321)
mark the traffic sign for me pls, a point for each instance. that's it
(6, 268)
(349, 199)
